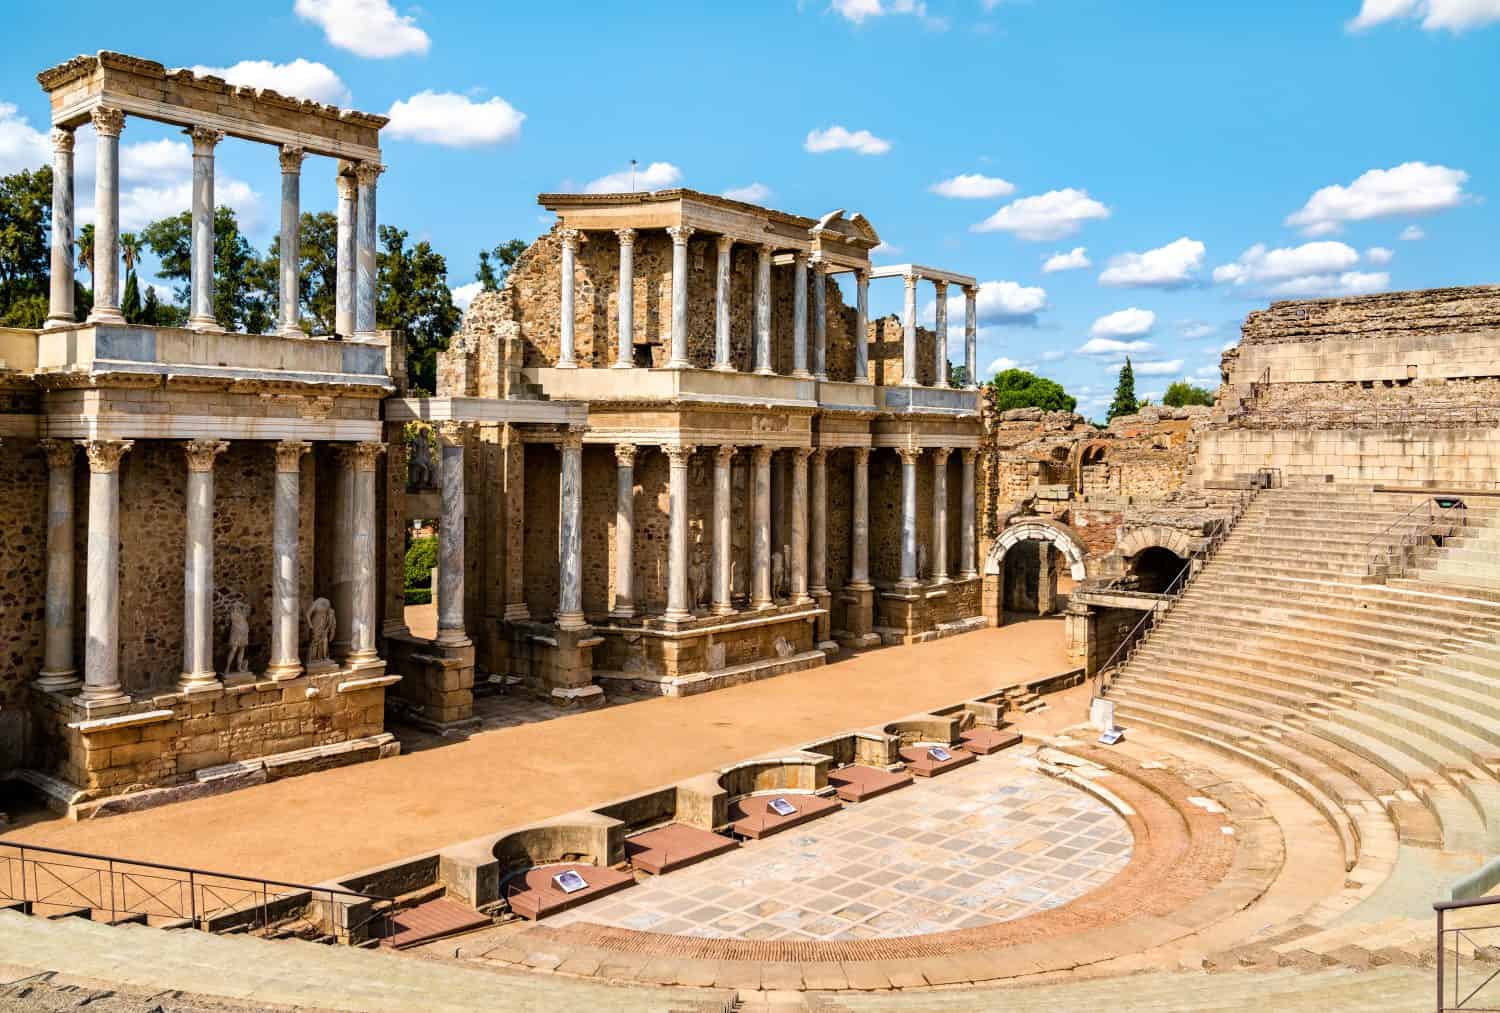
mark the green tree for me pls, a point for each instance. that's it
(25, 221)
(85, 247)
(414, 298)
(130, 250)
(27, 311)
(1124, 402)
(1017, 388)
(130, 303)
(958, 376)
(240, 299)
(1181, 393)
(492, 276)
(317, 250)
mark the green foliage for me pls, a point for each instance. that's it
(25, 222)
(1124, 402)
(414, 298)
(1017, 388)
(419, 596)
(958, 376)
(318, 271)
(130, 302)
(492, 276)
(83, 245)
(420, 559)
(1181, 393)
(27, 311)
(241, 302)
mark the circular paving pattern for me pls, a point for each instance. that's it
(985, 844)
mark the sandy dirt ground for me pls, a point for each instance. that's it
(314, 827)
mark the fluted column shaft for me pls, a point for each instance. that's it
(362, 554)
(723, 282)
(624, 607)
(570, 535)
(940, 514)
(60, 301)
(291, 245)
(625, 303)
(366, 263)
(201, 284)
(799, 315)
(565, 354)
(101, 653)
(108, 123)
(798, 510)
(760, 543)
(286, 583)
(940, 346)
(859, 528)
(968, 566)
(198, 568)
(971, 337)
(909, 458)
(678, 605)
(58, 672)
(909, 334)
(723, 534)
(679, 356)
(346, 253)
(818, 522)
(451, 566)
(861, 326)
(820, 322)
(763, 310)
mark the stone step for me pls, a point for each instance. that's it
(1287, 648)
(1215, 655)
(1295, 611)
(1291, 694)
(1436, 584)
(1346, 597)
(1453, 728)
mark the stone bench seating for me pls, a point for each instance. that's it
(1369, 618)
(859, 783)
(534, 896)
(674, 846)
(1336, 604)
(752, 816)
(922, 765)
(983, 740)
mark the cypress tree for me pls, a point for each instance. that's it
(1124, 402)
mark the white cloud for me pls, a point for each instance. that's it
(998, 302)
(1328, 285)
(838, 138)
(463, 295)
(754, 193)
(1113, 347)
(154, 161)
(886, 250)
(299, 79)
(1228, 345)
(453, 121)
(22, 146)
(1000, 365)
(1379, 255)
(656, 176)
(1053, 355)
(1258, 265)
(142, 205)
(1170, 266)
(1159, 367)
(1051, 215)
(973, 185)
(1075, 259)
(1454, 15)
(1196, 329)
(1409, 188)
(369, 28)
(1127, 323)
(857, 11)
(1413, 234)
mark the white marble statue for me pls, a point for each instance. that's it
(321, 622)
(778, 574)
(239, 640)
(420, 473)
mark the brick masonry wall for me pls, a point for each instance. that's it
(23, 563)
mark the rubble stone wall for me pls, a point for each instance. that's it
(23, 562)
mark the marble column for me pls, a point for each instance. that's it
(820, 321)
(108, 122)
(679, 607)
(971, 337)
(940, 514)
(366, 263)
(346, 252)
(291, 245)
(1046, 581)
(798, 510)
(570, 534)
(799, 315)
(679, 355)
(859, 526)
(58, 672)
(60, 301)
(723, 533)
(624, 607)
(763, 309)
(818, 521)
(723, 353)
(565, 351)
(198, 569)
(909, 333)
(968, 567)
(362, 554)
(101, 652)
(286, 563)
(910, 456)
(861, 326)
(625, 301)
(760, 544)
(940, 346)
(450, 625)
(201, 283)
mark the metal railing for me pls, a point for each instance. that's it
(1432, 518)
(1458, 947)
(52, 882)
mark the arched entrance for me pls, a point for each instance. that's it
(1155, 569)
(1021, 570)
(1155, 555)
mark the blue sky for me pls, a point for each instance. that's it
(1206, 158)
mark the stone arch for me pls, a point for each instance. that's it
(1158, 536)
(1064, 538)
(1084, 454)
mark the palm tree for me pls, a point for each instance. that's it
(86, 249)
(130, 249)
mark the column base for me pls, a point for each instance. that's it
(516, 612)
(103, 696)
(623, 365)
(59, 681)
(724, 367)
(968, 575)
(765, 371)
(199, 682)
(679, 365)
(802, 599)
(284, 671)
(941, 385)
(801, 374)
(203, 324)
(762, 604)
(452, 638)
(292, 331)
(571, 621)
(565, 365)
(363, 659)
(864, 378)
(622, 612)
(365, 337)
(106, 315)
(53, 323)
(723, 608)
(677, 615)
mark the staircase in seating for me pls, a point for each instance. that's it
(1372, 699)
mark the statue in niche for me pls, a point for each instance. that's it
(239, 640)
(321, 622)
(784, 586)
(698, 578)
(778, 574)
(922, 561)
(420, 470)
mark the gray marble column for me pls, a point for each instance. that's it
(968, 566)
(58, 672)
(566, 358)
(763, 309)
(450, 627)
(291, 244)
(760, 544)
(60, 302)
(799, 315)
(108, 123)
(286, 568)
(862, 326)
(201, 283)
(723, 351)
(798, 510)
(940, 514)
(570, 534)
(971, 337)
(101, 652)
(624, 607)
(366, 263)
(940, 346)
(625, 301)
(909, 333)
(818, 522)
(679, 607)
(347, 251)
(723, 533)
(859, 525)
(679, 354)
(909, 458)
(820, 320)
(198, 569)
(362, 555)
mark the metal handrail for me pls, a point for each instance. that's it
(1441, 908)
(1394, 554)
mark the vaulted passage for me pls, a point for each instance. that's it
(1156, 568)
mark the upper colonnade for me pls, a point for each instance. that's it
(106, 88)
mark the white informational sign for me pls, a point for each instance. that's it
(1102, 714)
(781, 807)
(570, 881)
(939, 754)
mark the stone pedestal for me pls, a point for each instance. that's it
(437, 683)
(859, 617)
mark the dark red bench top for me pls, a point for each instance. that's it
(857, 783)
(922, 765)
(533, 895)
(984, 739)
(752, 817)
(674, 846)
(431, 920)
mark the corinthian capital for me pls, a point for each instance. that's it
(910, 455)
(452, 433)
(59, 454)
(680, 234)
(361, 456)
(626, 236)
(679, 454)
(940, 454)
(108, 121)
(289, 454)
(205, 139)
(104, 455)
(367, 172)
(62, 139)
(347, 184)
(201, 453)
(625, 454)
(570, 239)
(291, 158)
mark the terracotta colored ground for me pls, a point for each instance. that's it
(310, 828)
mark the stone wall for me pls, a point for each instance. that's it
(23, 564)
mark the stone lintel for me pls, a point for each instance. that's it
(719, 625)
(486, 410)
(89, 726)
(355, 685)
